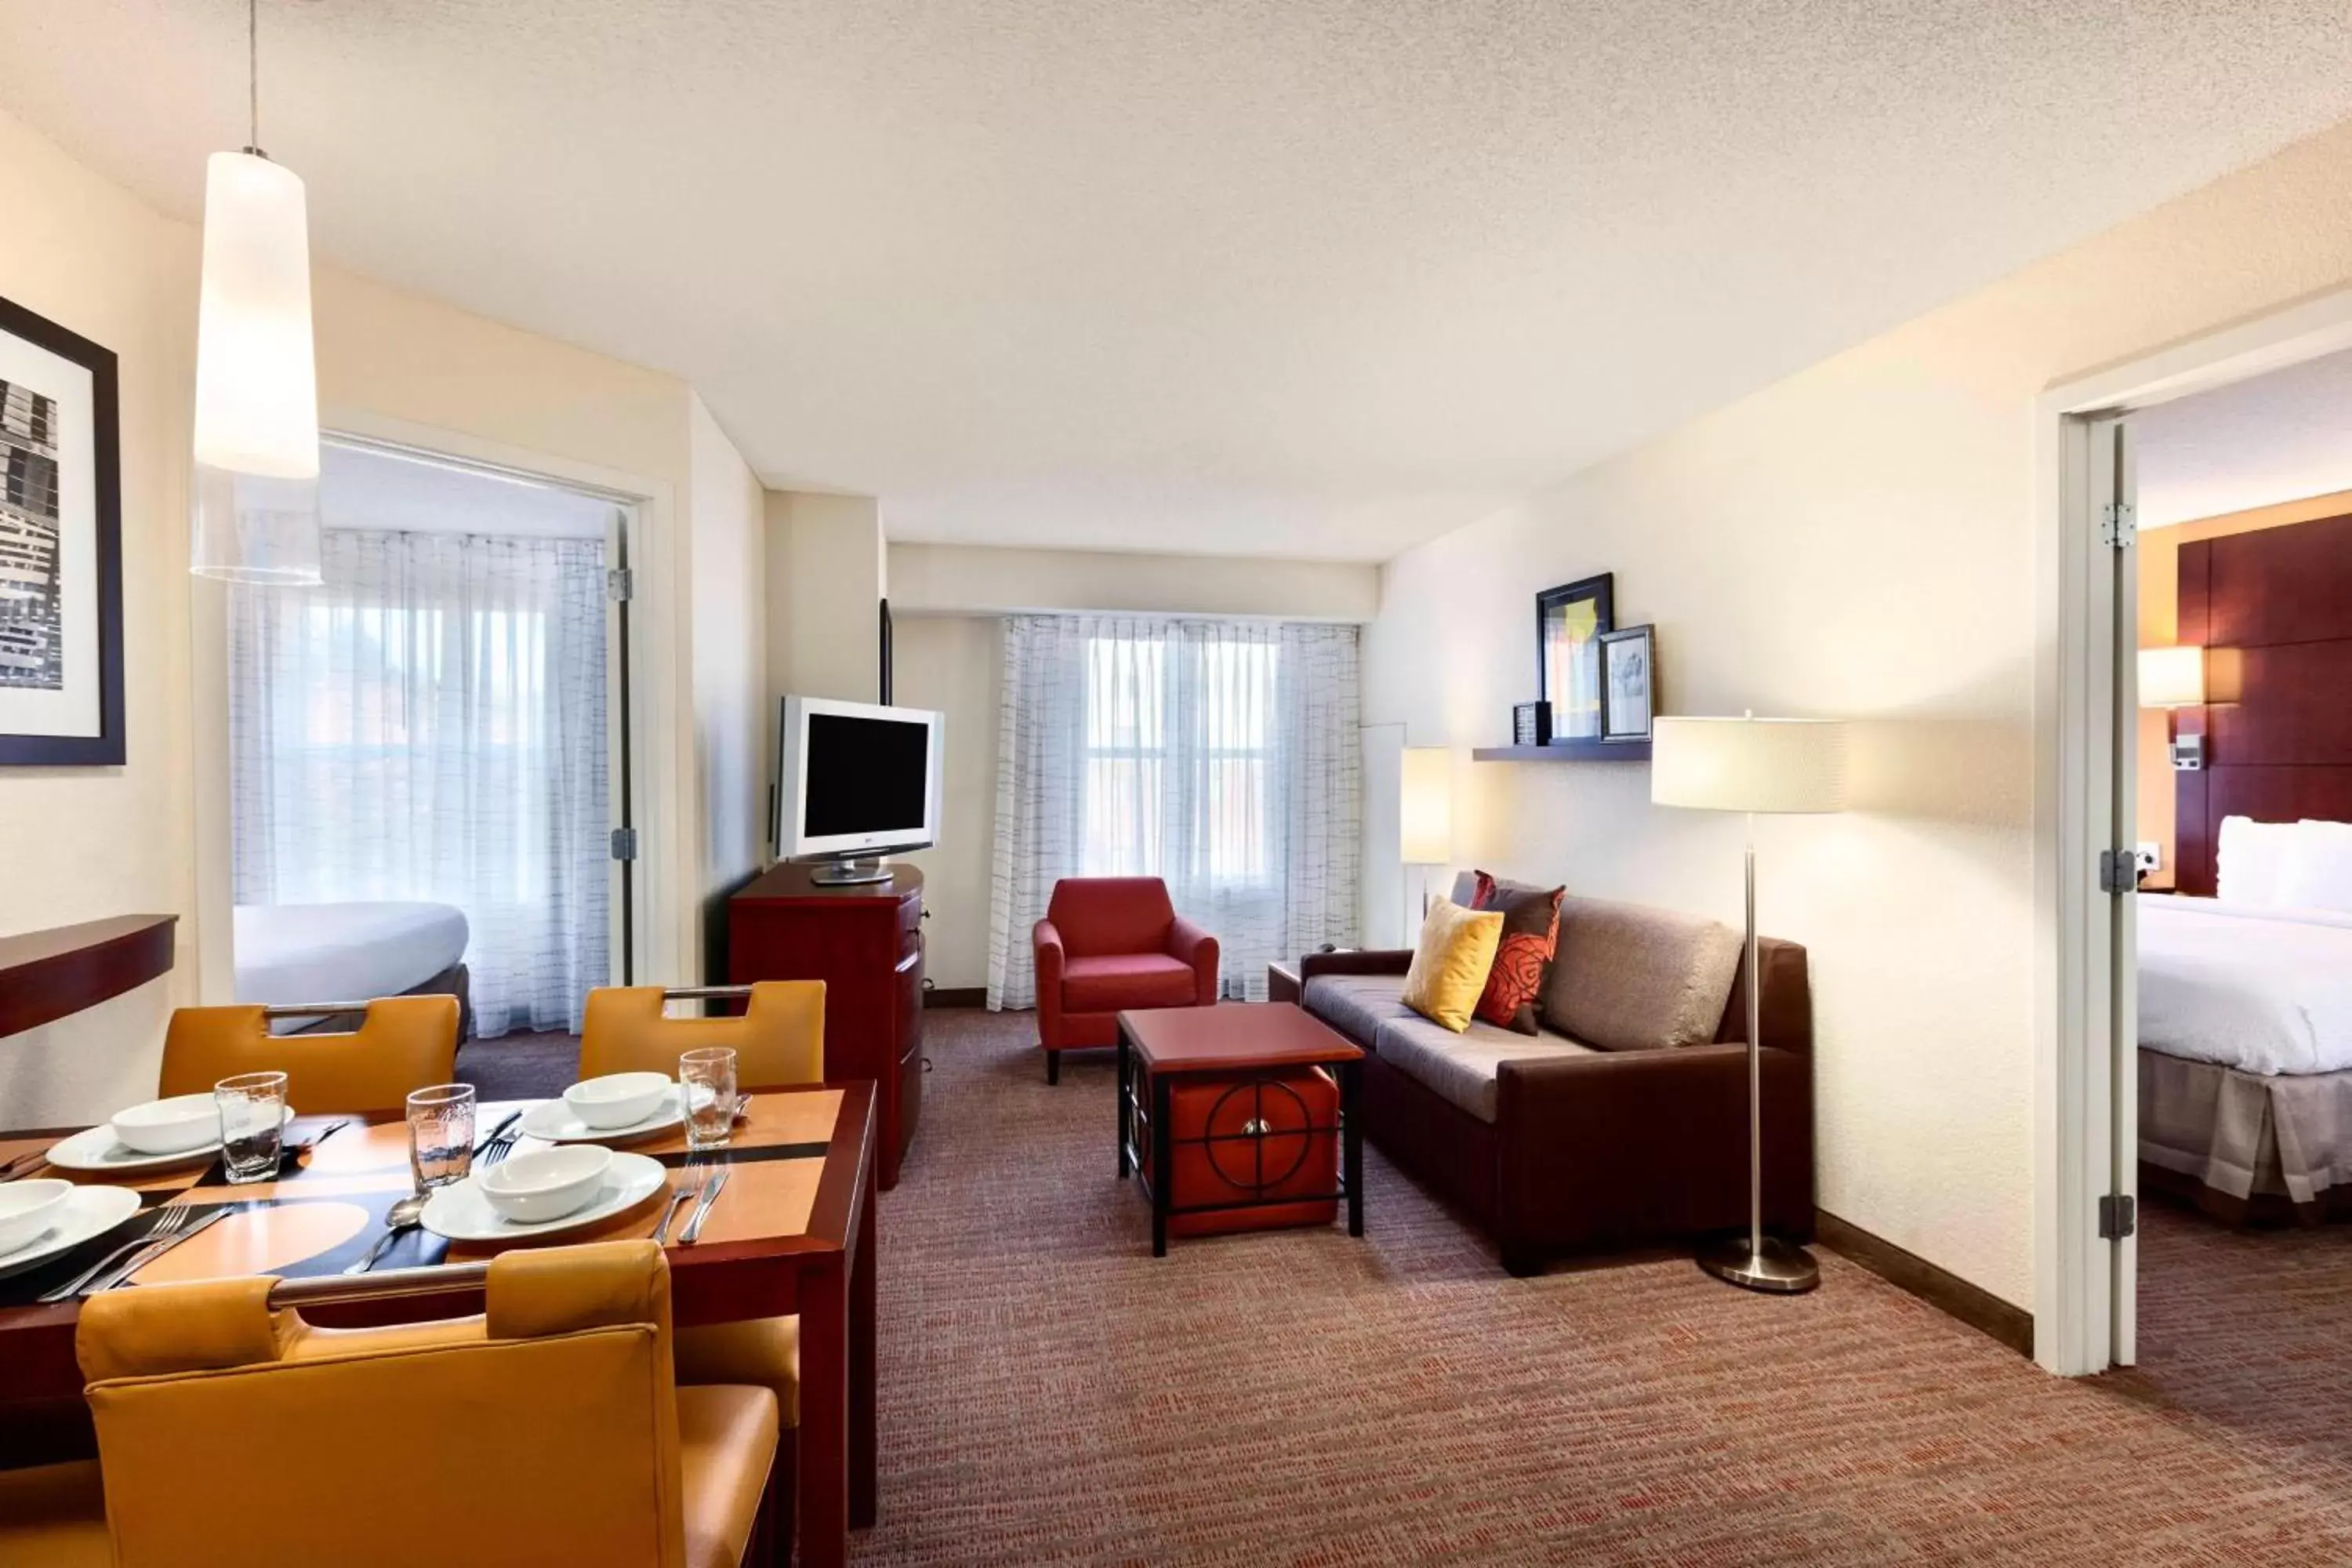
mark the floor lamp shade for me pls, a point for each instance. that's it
(1748, 764)
(1425, 806)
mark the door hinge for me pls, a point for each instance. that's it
(2118, 525)
(620, 585)
(2118, 871)
(2118, 1216)
(624, 844)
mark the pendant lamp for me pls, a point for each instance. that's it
(256, 425)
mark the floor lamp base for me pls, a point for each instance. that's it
(1783, 1267)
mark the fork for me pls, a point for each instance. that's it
(684, 1189)
(496, 1149)
(169, 1224)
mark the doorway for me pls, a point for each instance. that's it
(429, 753)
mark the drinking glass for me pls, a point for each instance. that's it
(441, 1134)
(707, 1079)
(252, 1108)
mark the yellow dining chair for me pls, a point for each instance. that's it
(779, 1041)
(546, 1430)
(403, 1042)
(53, 1516)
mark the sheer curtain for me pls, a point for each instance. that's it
(1218, 755)
(429, 724)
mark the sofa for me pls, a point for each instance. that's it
(1108, 945)
(1624, 1121)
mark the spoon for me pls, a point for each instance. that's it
(401, 1215)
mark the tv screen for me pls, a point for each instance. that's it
(865, 775)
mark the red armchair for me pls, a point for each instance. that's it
(1110, 944)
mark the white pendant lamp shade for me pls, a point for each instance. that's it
(257, 447)
(256, 381)
(1748, 764)
(1425, 806)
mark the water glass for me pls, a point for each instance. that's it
(441, 1134)
(252, 1108)
(707, 1079)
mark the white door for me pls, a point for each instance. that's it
(2117, 493)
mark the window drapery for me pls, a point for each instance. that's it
(429, 724)
(1219, 756)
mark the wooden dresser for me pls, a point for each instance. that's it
(865, 943)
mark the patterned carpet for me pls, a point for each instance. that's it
(1052, 1394)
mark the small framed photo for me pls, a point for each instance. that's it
(1570, 620)
(1531, 724)
(1628, 672)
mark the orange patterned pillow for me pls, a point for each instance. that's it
(1530, 938)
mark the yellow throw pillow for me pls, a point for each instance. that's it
(1449, 968)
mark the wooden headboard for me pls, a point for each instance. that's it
(2275, 607)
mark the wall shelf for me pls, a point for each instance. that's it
(46, 975)
(1566, 752)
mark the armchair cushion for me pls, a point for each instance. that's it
(1102, 915)
(1109, 982)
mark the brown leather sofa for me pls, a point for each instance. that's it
(1625, 1121)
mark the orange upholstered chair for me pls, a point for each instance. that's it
(403, 1042)
(779, 1042)
(54, 1516)
(1113, 944)
(546, 1430)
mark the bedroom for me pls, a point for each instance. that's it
(2244, 908)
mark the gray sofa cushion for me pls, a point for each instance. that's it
(1356, 1005)
(1631, 978)
(1461, 1067)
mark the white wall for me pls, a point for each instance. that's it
(1858, 540)
(955, 664)
(730, 672)
(979, 580)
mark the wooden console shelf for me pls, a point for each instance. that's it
(48, 974)
(1567, 752)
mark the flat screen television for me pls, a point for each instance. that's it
(856, 782)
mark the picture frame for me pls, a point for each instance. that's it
(1629, 666)
(1531, 723)
(1570, 620)
(61, 675)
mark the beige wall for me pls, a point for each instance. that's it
(978, 580)
(153, 835)
(955, 664)
(730, 671)
(2160, 604)
(1858, 540)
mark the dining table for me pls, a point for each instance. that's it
(790, 1231)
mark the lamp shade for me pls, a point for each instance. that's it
(2171, 676)
(1425, 806)
(1748, 764)
(256, 381)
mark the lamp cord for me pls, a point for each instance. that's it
(253, 71)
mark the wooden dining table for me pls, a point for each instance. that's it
(791, 1231)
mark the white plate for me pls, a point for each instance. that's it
(460, 1212)
(97, 1148)
(89, 1212)
(554, 1122)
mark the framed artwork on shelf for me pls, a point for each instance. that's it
(1570, 620)
(1628, 674)
(60, 547)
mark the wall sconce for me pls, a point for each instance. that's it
(2174, 678)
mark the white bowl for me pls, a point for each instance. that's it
(170, 1126)
(616, 1100)
(546, 1184)
(29, 1208)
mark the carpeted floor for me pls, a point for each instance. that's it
(1052, 1394)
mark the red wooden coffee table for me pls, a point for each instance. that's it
(1236, 1041)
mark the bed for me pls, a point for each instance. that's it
(288, 954)
(2245, 1060)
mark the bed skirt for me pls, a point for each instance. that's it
(2246, 1147)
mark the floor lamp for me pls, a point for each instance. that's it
(1752, 764)
(1424, 820)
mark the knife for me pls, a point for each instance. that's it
(693, 1232)
(23, 1164)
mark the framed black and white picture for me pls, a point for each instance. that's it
(1570, 620)
(60, 547)
(1628, 670)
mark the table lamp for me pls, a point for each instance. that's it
(1750, 764)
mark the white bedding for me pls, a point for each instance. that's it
(2262, 989)
(290, 954)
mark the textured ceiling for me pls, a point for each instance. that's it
(2277, 438)
(1302, 277)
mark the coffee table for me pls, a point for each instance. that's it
(1232, 1042)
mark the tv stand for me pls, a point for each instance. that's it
(865, 941)
(849, 873)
